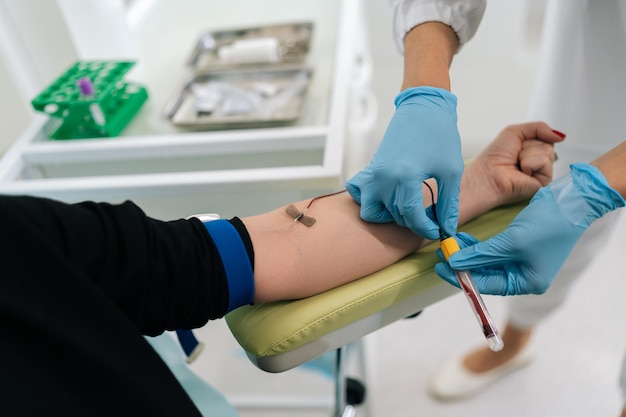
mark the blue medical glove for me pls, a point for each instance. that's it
(422, 141)
(527, 255)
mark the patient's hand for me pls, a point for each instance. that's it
(515, 164)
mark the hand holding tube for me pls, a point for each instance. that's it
(421, 142)
(525, 258)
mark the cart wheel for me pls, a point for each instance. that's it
(355, 391)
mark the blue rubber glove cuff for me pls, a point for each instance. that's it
(424, 92)
(585, 195)
(235, 261)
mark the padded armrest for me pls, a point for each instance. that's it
(280, 335)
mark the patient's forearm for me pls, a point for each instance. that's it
(612, 165)
(428, 52)
(295, 261)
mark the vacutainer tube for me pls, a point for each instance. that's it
(466, 282)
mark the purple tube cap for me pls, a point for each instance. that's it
(85, 86)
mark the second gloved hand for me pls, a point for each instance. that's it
(421, 142)
(527, 255)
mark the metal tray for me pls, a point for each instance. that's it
(293, 40)
(240, 98)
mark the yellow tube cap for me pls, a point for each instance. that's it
(448, 247)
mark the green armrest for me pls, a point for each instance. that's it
(281, 335)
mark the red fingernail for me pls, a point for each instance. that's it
(561, 134)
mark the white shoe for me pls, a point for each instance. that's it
(455, 381)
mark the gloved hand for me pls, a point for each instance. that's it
(421, 141)
(527, 255)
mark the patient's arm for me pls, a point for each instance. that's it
(612, 165)
(295, 261)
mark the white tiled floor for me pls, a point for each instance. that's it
(580, 346)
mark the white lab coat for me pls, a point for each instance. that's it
(463, 16)
(581, 82)
(580, 90)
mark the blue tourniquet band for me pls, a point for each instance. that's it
(235, 261)
(187, 341)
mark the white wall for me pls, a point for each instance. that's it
(34, 49)
(14, 113)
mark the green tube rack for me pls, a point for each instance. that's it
(111, 104)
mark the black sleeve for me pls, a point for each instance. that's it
(78, 283)
(162, 275)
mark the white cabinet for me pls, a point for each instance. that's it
(171, 172)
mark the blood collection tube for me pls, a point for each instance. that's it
(87, 90)
(466, 282)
